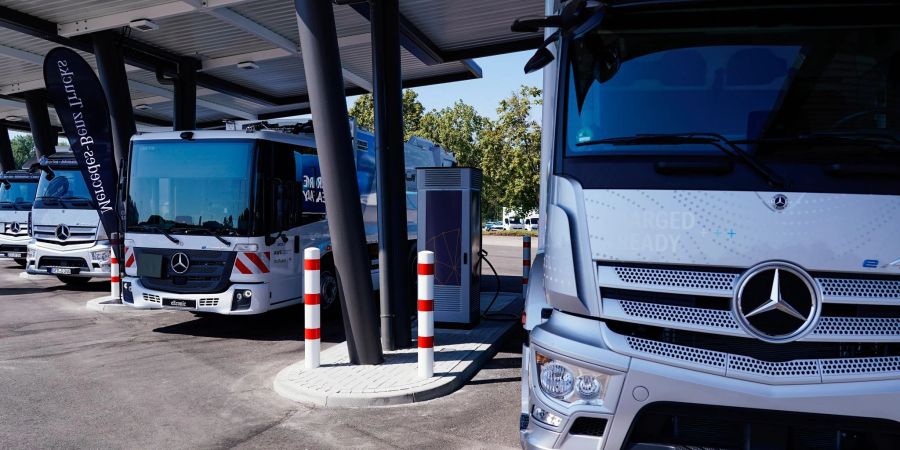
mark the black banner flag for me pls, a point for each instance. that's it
(78, 98)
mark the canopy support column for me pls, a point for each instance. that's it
(111, 68)
(7, 162)
(39, 119)
(393, 251)
(325, 82)
(186, 96)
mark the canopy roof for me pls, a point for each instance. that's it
(439, 38)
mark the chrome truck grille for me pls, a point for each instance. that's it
(684, 318)
(76, 234)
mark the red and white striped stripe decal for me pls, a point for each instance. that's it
(250, 263)
(311, 307)
(114, 275)
(426, 314)
(129, 257)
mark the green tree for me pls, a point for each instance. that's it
(511, 154)
(22, 148)
(363, 110)
(456, 128)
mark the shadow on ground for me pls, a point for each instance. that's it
(279, 325)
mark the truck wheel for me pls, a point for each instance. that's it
(21, 262)
(329, 290)
(73, 281)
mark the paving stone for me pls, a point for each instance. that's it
(459, 354)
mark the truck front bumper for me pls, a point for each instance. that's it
(14, 246)
(637, 384)
(217, 303)
(48, 259)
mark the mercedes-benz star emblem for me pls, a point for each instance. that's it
(180, 263)
(62, 232)
(777, 302)
(15, 227)
(780, 201)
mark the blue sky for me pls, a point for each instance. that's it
(501, 75)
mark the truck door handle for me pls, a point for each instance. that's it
(465, 258)
(296, 244)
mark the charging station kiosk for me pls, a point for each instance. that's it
(449, 218)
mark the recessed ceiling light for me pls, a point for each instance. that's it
(247, 65)
(143, 25)
(142, 107)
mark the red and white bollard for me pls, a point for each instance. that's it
(426, 314)
(311, 309)
(115, 276)
(526, 263)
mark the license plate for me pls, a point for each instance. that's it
(15, 255)
(178, 303)
(62, 271)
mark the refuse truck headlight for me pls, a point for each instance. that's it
(241, 299)
(569, 382)
(31, 253)
(102, 255)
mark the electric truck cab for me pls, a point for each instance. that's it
(719, 262)
(67, 240)
(17, 189)
(216, 221)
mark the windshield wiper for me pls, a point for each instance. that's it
(155, 229)
(187, 230)
(721, 142)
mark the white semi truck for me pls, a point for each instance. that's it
(67, 240)
(217, 220)
(720, 239)
(17, 189)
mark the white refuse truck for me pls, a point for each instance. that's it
(17, 189)
(67, 240)
(217, 221)
(720, 239)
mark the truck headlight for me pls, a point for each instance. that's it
(556, 380)
(31, 253)
(569, 382)
(102, 255)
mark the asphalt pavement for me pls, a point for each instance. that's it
(73, 377)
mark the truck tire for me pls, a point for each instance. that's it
(21, 262)
(329, 289)
(73, 281)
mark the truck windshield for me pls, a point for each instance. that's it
(808, 94)
(19, 195)
(180, 186)
(66, 189)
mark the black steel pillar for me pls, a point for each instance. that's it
(186, 96)
(39, 120)
(111, 68)
(325, 82)
(396, 330)
(7, 162)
